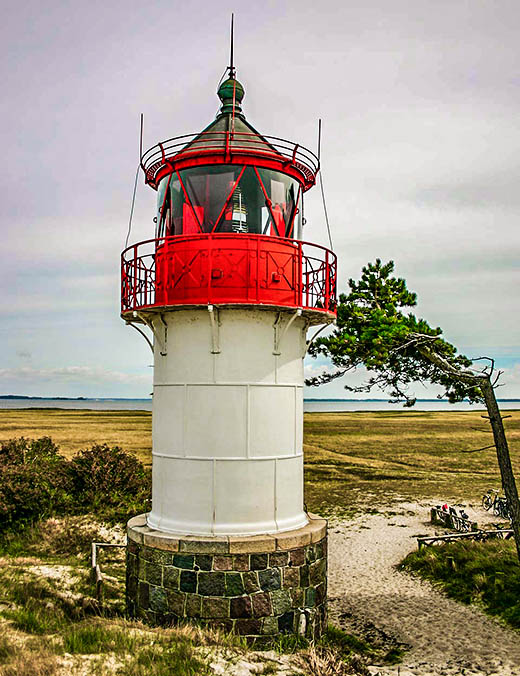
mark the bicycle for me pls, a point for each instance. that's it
(487, 500)
(501, 508)
(499, 505)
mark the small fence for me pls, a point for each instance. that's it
(450, 519)
(97, 576)
(477, 536)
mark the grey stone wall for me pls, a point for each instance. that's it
(256, 594)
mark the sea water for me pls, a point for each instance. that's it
(309, 405)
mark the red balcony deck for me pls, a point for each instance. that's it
(228, 269)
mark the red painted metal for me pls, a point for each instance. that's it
(228, 269)
(188, 202)
(215, 147)
(275, 217)
(295, 211)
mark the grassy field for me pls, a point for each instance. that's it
(369, 459)
(74, 430)
(352, 460)
(50, 625)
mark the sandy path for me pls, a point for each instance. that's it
(445, 638)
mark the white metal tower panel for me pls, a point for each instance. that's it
(227, 421)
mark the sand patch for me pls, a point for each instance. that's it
(368, 595)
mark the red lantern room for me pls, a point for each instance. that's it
(229, 222)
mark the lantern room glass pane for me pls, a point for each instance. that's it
(283, 191)
(227, 198)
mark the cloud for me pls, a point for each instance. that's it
(420, 150)
(316, 369)
(69, 374)
(485, 190)
(509, 383)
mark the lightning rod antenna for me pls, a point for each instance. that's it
(319, 139)
(141, 138)
(231, 66)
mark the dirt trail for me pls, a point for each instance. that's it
(367, 592)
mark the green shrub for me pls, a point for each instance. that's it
(109, 482)
(34, 481)
(37, 482)
(29, 451)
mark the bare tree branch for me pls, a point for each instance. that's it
(475, 450)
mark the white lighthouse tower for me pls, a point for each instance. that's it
(229, 290)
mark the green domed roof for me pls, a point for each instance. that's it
(231, 89)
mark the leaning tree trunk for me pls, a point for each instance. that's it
(499, 435)
(504, 459)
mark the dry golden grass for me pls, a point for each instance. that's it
(74, 430)
(352, 460)
(362, 459)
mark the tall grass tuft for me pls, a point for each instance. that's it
(7, 648)
(93, 638)
(177, 657)
(32, 620)
(487, 573)
(31, 664)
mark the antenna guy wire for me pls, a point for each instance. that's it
(135, 182)
(325, 210)
(132, 207)
(321, 184)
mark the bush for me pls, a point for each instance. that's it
(34, 481)
(29, 451)
(109, 482)
(37, 482)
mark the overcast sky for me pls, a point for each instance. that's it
(420, 103)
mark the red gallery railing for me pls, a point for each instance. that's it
(228, 269)
(230, 147)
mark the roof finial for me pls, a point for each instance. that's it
(231, 91)
(231, 66)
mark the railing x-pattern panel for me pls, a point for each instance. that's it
(224, 268)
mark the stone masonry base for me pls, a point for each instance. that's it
(257, 586)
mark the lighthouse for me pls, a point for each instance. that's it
(230, 292)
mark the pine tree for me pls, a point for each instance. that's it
(375, 330)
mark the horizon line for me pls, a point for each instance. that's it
(82, 398)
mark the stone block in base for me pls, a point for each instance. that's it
(257, 586)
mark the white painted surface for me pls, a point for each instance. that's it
(178, 483)
(272, 427)
(216, 421)
(227, 423)
(289, 489)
